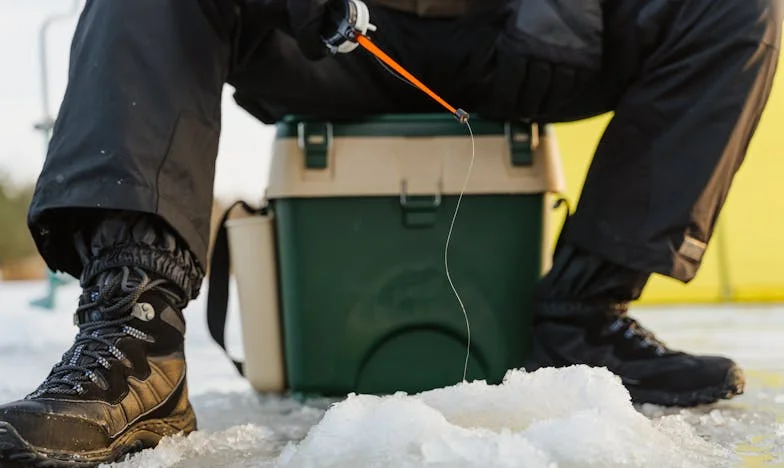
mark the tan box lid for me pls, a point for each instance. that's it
(418, 165)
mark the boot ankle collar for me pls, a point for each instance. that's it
(571, 309)
(185, 276)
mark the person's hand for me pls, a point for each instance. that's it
(321, 27)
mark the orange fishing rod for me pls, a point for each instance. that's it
(461, 115)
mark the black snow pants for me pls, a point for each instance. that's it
(139, 126)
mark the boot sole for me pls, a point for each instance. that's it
(15, 452)
(732, 386)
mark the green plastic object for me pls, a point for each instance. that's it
(54, 281)
(315, 139)
(520, 137)
(365, 302)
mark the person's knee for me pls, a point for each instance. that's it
(153, 18)
(756, 20)
(775, 18)
(766, 18)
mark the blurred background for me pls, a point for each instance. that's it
(35, 40)
(743, 264)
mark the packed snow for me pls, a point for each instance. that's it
(574, 417)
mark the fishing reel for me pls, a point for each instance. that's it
(349, 18)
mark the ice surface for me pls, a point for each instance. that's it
(575, 417)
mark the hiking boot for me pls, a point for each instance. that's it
(603, 335)
(120, 388)
(580, 317)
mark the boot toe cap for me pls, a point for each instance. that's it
(689, 381)
(50, 431)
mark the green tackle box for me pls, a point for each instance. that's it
(361, 214)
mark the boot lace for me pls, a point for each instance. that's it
(108, 310)
(631, 329)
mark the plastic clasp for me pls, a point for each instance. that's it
(419, 210)
(315, 140)
(522, 138)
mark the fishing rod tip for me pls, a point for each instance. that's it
(462, 116)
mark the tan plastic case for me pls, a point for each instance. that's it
(252, 252)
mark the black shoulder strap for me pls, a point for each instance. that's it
(218, 290)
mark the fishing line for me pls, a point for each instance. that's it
(462, 116)
(446, 249)
(364, 41)
(394, 73)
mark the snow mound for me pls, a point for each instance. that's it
(571, 417)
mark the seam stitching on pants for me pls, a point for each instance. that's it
(172, 135)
